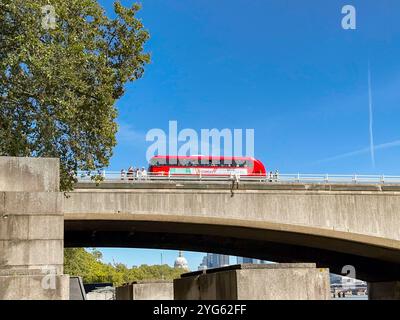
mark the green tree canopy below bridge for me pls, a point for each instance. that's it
(60, 79)
(88, 265)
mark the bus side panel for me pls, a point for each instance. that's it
(259, 168)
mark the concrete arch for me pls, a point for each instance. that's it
(332, 228)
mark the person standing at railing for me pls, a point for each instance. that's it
(237, 177)
(276, 177)
(122, 174)
(131, 173)
(143, 173)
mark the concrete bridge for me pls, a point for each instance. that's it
(332, 225)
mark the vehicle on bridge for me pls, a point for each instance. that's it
(206, 166)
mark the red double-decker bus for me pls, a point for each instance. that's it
(206, 166)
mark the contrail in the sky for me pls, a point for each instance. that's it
(382, 146)
(371, 118)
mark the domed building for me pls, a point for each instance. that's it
(181, 262)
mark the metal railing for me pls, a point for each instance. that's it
(116, 176)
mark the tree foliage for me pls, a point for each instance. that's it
(58, 87)
(88, 265)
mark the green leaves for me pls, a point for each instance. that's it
(88, 265)
(58, 87)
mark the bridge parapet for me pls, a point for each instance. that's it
(243, 185)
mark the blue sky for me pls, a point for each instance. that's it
(283, 68)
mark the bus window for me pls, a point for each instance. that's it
(156, 162)
(249, 164)
(172, 161)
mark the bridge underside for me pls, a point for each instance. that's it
(372, 263)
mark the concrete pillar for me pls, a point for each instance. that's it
(298, 281)
(76, 288)
(145, 290)
(31, 230)
(384, 290)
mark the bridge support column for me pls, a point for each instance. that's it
(287, 281)
(31, 230)
(384, 290)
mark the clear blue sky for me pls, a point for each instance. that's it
(283, 68)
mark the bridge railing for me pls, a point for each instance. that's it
(116, 176)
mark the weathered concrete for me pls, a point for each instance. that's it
(76, 288)
(31, 230)
(243, 185)
(384, 290)
(29, 174)
(334, 225)
(337, 228)
(33, 287)
(33, 254)
(145, 290)
(372, 214)
(101, 295)
(124, 292)
(255, 282)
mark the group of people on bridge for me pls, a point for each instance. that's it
(134, 174)
(273, 176)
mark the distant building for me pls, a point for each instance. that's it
(241, 260)
(203, 264)
(213, 260)
(181, 262)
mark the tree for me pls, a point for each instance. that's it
(59, 84)
(88, 265)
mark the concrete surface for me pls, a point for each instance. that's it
(243, 185)
(31, 230)
(103, 294)
(384, 290)
(146, 290)
(339, 228)
(353, 213)
(33, 287)
(76, 288)
(255, 282)
(332, 225)
(29, 174)
(124, 292)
